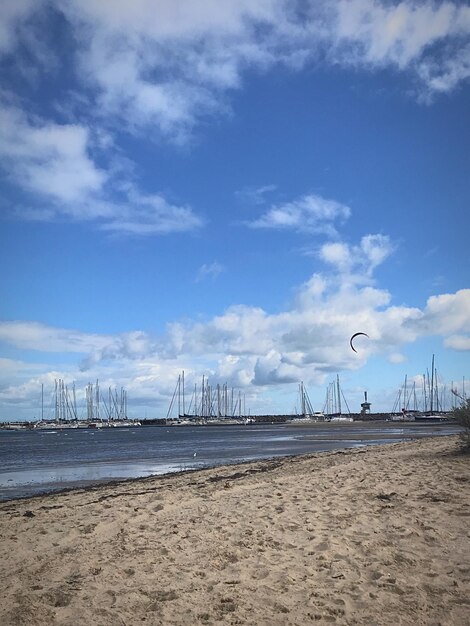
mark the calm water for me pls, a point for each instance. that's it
(33, 462)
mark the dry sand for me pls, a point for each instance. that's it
(366, 536)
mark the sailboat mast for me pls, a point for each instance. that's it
(339, 395)
(179, 395)
(74, 402)
(424, 394)
(432, 383)
(97, 400)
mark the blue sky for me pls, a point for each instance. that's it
(233, 189)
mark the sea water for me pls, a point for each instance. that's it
(39, 461)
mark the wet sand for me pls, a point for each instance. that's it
(375, 535)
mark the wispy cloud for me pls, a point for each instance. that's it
(48, 158)
(360, 260)
(55, 162)
(43, 338)
(137, 213)
(178, 59)
(310, 213)
(426, 38)
(160, 68)
(255, 195)
(90, 347)
(222, 40)
(209, 270)
(14, 13)
(396, 358)
(458, 342)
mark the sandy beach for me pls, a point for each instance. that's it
(376, 535)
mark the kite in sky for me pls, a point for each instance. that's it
(351, 340)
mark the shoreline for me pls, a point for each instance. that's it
(352, 436)
(376, 534)
(25, 426)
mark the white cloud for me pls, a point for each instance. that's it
(14, 12)
(44, 338)
(162, 65)
(273, 368)
(173, 58)
(458, 342)
(211, 270)
(312, 336)
(445, 314)
(13, 368)
(205, 48)
(428, 39)
(147, 214)
(126, 346)
(398, 33)
(310, 213)
(255, 195)
(168, 20)
(337, 254)
(445, 75)
(245, 346)
(396, 358)
(91, 348)
(52, 159)
(308, 341)
(359, 262)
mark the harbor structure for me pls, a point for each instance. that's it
(365, 406)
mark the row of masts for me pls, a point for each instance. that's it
(207, 401)
(221, 401)
(98, 408)
(335, 400)
(114, 409)
(65, 402)
(427, 395)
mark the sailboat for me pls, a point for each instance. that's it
(432, 402)
(306, 414)
(408, 407)
(211, 404)
(333, 408)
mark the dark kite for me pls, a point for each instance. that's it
(355, 335)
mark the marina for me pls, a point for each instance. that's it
(221, 405)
